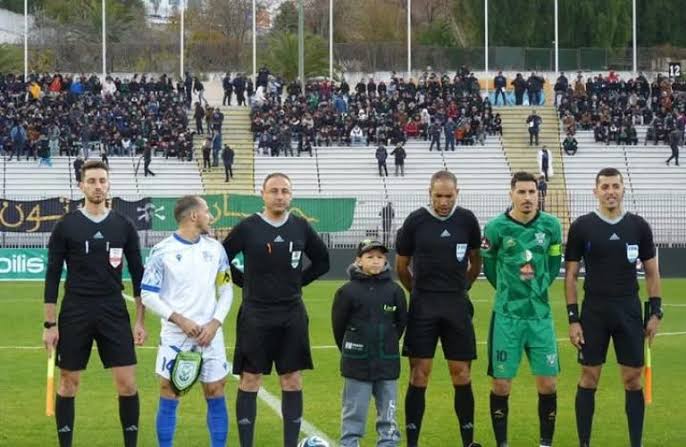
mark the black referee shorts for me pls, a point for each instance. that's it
(619, 319)
(444, 316)
(104, 320)
(278, 336)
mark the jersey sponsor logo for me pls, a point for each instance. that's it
(295, 258)
(614, 237)
(631, 253)
(485, 244)
(98, 235)
(445, 233)
(115, 256)
(460, 251)
(540, 238)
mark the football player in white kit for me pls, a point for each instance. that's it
(187, 283)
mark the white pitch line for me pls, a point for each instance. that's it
(268, 398)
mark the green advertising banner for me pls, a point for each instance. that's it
(30, 264)
(325, 215)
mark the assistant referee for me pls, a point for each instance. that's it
(610, 241)
(93, 241)
(272, 323)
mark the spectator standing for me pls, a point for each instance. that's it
(435, 132)
(78, 164)
(381, 156)
(534, 87)
(227, 158)
(228, 90)
(206, 151)
(534, 122)
(545, 163)
(674, 141)
(500, 84)
(520, 86)
(199, 115)
(542, 192)
(147, 159)
(400, 155)
(449, 129)
(216, 148)
(199, 89)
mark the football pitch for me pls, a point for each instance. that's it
(23, 369)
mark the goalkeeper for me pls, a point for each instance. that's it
(179, 285)
(521, 253)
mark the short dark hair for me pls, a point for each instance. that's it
(608, 172)
(275, 175)
(184, 205)
(94, 164)
(522, 176)
(443, 175)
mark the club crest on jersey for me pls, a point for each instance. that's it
(631, 253)
(460, 251)
(207, 256)
(540, 238)
(115, 256)
(295, 258)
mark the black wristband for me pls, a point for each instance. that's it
(655, 306)
(573, 313)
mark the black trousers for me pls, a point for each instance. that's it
(228, 172)
(675, 154)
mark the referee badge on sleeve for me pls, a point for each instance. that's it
(631, 253)
(115, 256)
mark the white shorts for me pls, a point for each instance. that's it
(214, 364)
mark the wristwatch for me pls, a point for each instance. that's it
(49, 324)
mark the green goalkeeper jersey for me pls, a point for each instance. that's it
(521, 261)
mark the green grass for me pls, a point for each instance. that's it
(22, 385)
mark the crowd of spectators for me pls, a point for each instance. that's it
(612, 107)
(372, 112)
(80, 115)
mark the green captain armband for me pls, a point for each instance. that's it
(555, 250)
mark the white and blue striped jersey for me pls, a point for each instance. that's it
(182, 276)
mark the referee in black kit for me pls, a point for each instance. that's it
(92, 240)
(272, 325)
(610, 241)
(442, 240)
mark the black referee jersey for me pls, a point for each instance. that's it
(94, 253)
(610, 250)
(439, 247)
(273, 265)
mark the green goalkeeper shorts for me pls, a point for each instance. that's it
(509, 337)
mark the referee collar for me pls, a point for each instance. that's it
(276, 223)
(432, 211)
(614, 221)
(184, 241)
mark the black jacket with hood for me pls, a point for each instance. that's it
(369, 315)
